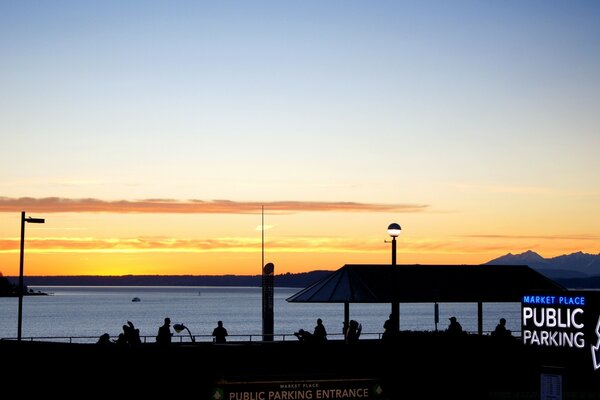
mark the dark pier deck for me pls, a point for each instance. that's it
(428, 364)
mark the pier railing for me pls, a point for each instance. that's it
(255, 337)
(239, 338)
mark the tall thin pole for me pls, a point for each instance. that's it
(21, 276)
(262, 230)
(395, 304)
(267, 289)
(394, 251)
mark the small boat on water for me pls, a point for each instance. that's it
(136, 299)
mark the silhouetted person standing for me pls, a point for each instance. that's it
(220, 333)
(455, 328)
(353, 332)
(320, 333)
(389, 329)
(124, 336)
(501, 330)
(164, 333)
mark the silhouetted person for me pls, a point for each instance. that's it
(501, 330)
(455, 328)
(320, 333)
(164, 333)
(219, 333)
(353, 331)
(133, 334)
(122, 338)
(304, 336)
(125, 336)
(389, 329)
(104, 340)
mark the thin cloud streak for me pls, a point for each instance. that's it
(171, 206)
(237, 245)
(136, 245)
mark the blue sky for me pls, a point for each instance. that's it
(486, 112)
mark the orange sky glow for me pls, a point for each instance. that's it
(78, 237)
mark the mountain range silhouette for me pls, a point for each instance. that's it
(577, 265)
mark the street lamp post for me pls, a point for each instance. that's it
(31, 221)
(394, 230)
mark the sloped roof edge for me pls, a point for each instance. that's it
(383, 283)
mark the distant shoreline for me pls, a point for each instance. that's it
(38, 293)
(300, 280)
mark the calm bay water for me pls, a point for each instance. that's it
(91, 311)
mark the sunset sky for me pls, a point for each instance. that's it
(149, 134)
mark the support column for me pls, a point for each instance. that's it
(480, 318)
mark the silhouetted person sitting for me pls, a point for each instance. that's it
(219, 333)
(389, 329)
(164, 333)
(501, 330)
(353, 331)
(133, 334)
(455, 328)
(122, 339)
(304, 336)
(104, 340)
(320, 333)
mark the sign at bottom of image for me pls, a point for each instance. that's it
(346, 389)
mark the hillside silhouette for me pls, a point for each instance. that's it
(299, 280)
(10, 289)
(576, 270)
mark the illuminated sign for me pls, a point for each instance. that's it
(350, 389)
(567, 320)
(553, 320)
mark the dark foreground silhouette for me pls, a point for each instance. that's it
(432, 365)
